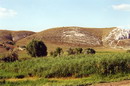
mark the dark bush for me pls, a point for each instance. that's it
(37, 48)
(78, 50)
(90, 51)
(10, 57)
(54, 54)
(20, 76)
(128, 51)
(59, 51)
(7, 48)
(10, 42)
(70, 51)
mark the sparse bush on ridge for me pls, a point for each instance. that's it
(53, 53)
(10, 57)
(78, 50)
(128, 51)
(57, 52)
(37, 48)
(70, 51)
(90, 51)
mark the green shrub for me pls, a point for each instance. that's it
(37, 48)
(128, 51)
(107, 67)
(59, 51)
(90, 51)
(10, 57)
(20, 76)
(53, 53)
(70, 51)
(78, 50)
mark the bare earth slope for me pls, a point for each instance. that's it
(70, 36)
(7, 37)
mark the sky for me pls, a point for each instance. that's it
(39, 15)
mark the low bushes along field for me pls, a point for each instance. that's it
(67, 66)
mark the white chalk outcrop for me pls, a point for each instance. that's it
(118, 38)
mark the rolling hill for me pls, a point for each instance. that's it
(8, 39)
(67, 37)
(70, 37)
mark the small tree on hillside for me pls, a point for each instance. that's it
(37, 48)
(10, 57)
(90, 51)
(78, 50)
(70, 51)
(59, 51)
(128, 51)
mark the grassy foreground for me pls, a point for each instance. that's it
(83, 69)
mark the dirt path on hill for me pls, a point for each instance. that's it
(120, 83)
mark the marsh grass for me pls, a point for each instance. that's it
(101, 67)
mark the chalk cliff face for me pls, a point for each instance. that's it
(118, 38)
(77, 36)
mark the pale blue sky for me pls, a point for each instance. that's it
(38, 15)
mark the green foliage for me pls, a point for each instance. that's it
(20, 76)
(53, 53)
(128, 51)
(78, 50)
(37, 48)
(107, 67)
(10, 57)
(100, 67)
(59, 51)
(70, 51)
(69, 66)
(90, 51)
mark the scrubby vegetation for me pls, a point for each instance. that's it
(90, 51)
(74, 66)
(37, 48)
(128, 51)
(57, 52)
(10, 57)
(77, 63)
(71, 51)
(83, 65)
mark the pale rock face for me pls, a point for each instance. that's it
(78, 37)
(116, 36)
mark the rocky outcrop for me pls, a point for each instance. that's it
(118, 38)
(75, 35)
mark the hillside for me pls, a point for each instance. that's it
(70, 37)
(9, 38)
(66, 37)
